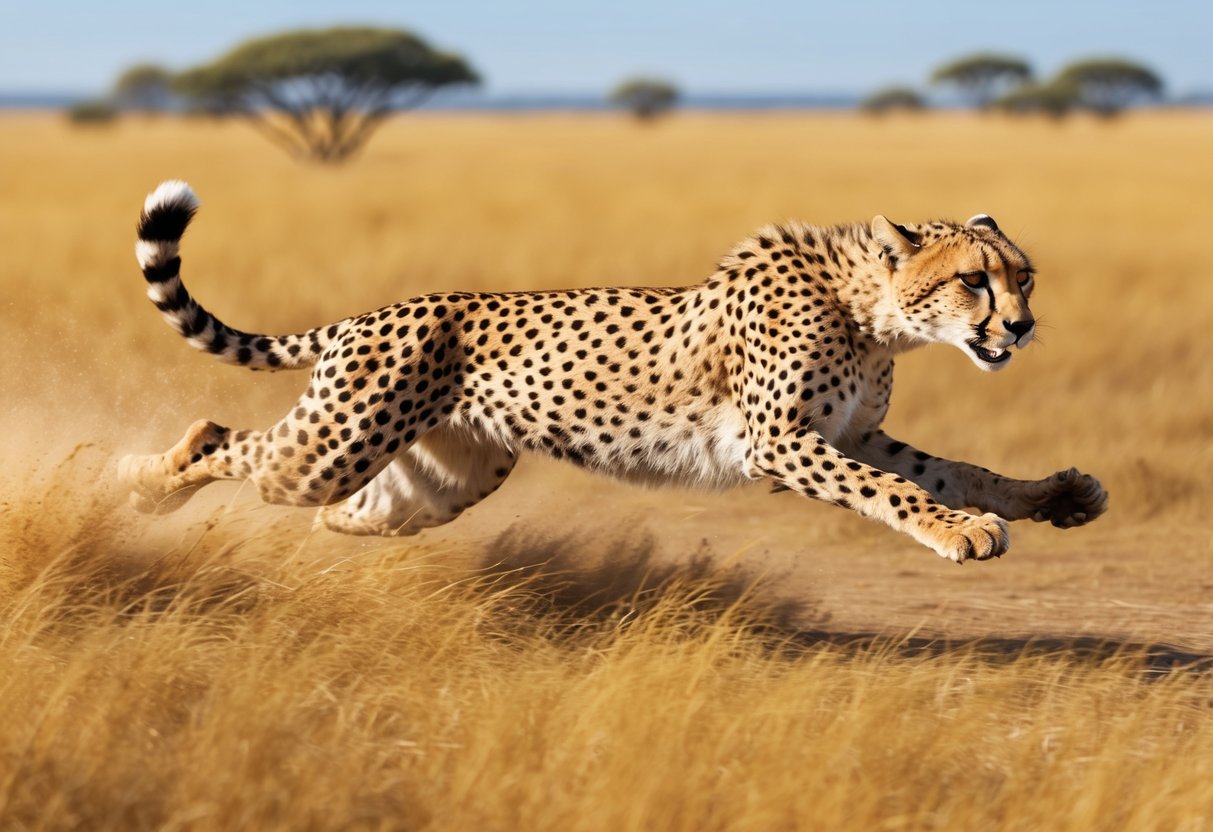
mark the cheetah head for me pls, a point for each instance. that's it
(965, 285)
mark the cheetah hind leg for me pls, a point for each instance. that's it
(442, 474)
(161, 483)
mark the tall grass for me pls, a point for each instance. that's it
(229, 683)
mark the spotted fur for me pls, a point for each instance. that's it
(778, 367)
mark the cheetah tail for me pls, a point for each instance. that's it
(166, 213)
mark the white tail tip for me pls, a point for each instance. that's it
(172, 192)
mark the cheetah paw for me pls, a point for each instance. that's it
(133, 473)
(1068, 499)
(163, 483)
(137, 473)
(968, 537)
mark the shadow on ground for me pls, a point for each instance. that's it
(593, 578)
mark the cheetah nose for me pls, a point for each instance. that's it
(1020, 328)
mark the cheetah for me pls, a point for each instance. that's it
(778, 367)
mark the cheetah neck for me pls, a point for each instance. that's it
(864, 288)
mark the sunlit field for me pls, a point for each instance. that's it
(576, 653)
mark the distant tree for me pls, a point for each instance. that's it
(1056, 99)
(1108, 85)
(645, 98)
(982, 77)
(92, 113)
(891, 99)
(1195, 98)
(144, 87)
(320, 94)
(1052, 99)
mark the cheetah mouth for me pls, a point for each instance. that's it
(990, 356)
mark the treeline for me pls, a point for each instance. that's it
(988, 81)
(321, 93)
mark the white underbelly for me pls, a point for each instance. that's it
(708, 454)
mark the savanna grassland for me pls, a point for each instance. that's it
(574, 653)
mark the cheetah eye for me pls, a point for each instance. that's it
(974, 280)
(1025, 277)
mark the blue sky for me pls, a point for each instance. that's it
(776, 46)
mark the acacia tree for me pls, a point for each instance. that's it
(645, 98)
(93, 112)
(1056, 98)
(891, 99)
(981, 77)
(321, 93)
(144, 87)
(1108, 85)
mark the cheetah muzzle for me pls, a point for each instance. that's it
(779, 366)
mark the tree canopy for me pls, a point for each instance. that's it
(1108, 85)
(93, 112)
(890, 99)
(645, 98)
(982, 76)
(1056, 98)
(145, 87)
(321, 93)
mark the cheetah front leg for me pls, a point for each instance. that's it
(1065, 499)
(803, 461)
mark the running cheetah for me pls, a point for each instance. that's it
(778, 367)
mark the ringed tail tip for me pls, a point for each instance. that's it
(166, 213)
(170, 198)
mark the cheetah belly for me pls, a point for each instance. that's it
(708, 454)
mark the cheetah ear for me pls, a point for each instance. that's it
(896, 240)
(982, 221)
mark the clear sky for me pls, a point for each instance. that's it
(779, 46)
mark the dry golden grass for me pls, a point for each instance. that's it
(227, 668)
(230, 683)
